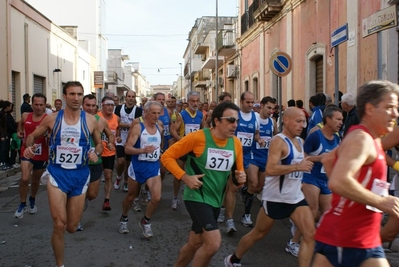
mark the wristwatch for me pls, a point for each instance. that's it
(98, 154)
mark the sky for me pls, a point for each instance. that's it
(154, 32)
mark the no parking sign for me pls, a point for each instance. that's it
(280, 64)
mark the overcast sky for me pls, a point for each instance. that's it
(154, 32)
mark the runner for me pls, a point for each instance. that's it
(213, 153)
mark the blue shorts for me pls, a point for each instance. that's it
(166, 141)
(260, 163)
(321, 184)
(37, 164)
(141, 171)
(73, 182)
(279, 210)
(247, 160)
(348, 257)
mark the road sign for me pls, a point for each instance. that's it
(339, 36)
(280, 64)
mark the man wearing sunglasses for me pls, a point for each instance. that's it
(211, 156)
(108, 156)
(189, 120)
(247, 132)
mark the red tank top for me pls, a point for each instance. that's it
(41, 147)
(348, 223)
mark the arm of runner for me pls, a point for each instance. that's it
(175, 128)
(181, 148)
(240, 175)
(21, 124)
(277, 150)
(352, 155)
(110, 136)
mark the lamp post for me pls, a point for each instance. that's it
(181, 80)
(216, 53)
(189, 67)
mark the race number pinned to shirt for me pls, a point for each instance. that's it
(38, 149)
(245, 138)
(189, 128)
(154, 156)
(219, 159)
(266, 144)
(69, 156)
(379, 188)
(297, 174)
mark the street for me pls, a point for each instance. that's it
(26, 242)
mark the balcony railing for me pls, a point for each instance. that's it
(267, 9)
(226, 42)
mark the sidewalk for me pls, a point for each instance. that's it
(8, 177)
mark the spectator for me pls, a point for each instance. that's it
(49, 109)
(4, 139)
(58, 104)
(15, 144)
(291, 103)
(348, 103)
(26, 107)
(299, 104)
(328, 99)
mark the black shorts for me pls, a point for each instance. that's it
(120, 153)
(278, 210)
(204, 216)
(108, 162)
(95, 172)
(37, 164)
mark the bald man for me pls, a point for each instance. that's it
(282, 196)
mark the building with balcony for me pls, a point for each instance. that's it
(167, 90)
(119, 73)
(39, 56)
(204, 44)
(303, 30)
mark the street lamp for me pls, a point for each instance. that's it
(189, 67)
(181, 80)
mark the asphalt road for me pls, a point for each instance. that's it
(26, 242)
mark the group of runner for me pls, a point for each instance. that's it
(217, 153)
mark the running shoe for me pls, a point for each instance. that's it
(20, 211)
(117, 183)
(221, 217)
(136, 205)
(227, 262)
(106, 206)
(231, 228)
(175, 204)
(293, 248)
(146, 227)
(32, 209)
(123, 228)
(246, 220)
(80, 227)
(125, 187)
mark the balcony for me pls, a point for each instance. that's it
(201, 48)
(267, 9)
(112, 77)
(211, 61)
(226, 44)
(200, 78)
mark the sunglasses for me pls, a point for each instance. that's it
(231, 119)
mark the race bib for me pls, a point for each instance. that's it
(266, 144)
(379, 188)
(297, 174)
(245, 138)
(166, 130)
(219, 159)
(68, 156)
(38, 149)
(154, 156)
(189, 128)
